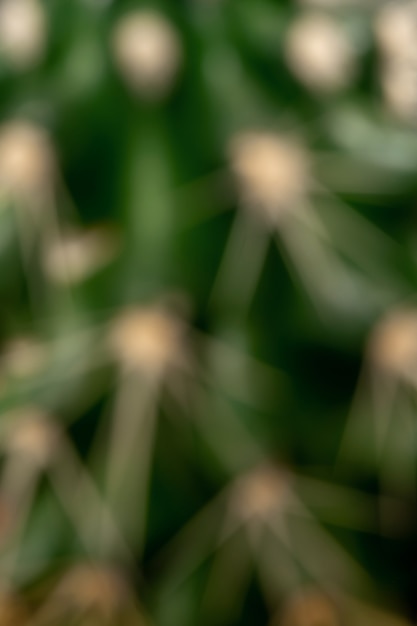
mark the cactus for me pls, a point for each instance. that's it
(208, 336)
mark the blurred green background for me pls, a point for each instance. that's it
(208, 324)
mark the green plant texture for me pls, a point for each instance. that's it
(208, 318)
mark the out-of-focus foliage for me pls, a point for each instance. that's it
(208, 323)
